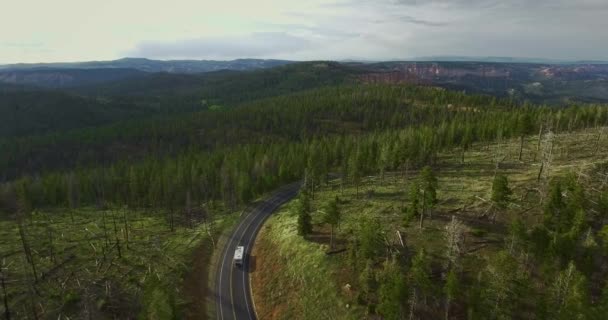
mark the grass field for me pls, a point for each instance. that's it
(296, 278)
(109, 264)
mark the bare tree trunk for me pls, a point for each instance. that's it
(413, 302)
(462, 159)
(105, 229)
(172, 223)
(521, 147)
(331, 237)
(189, 210)
(126, 224)
(117, 241)
(540, 136)
(27, 250)
(73, 196)
(33, 305)
(7, 311)
(423, 208)
(208, 226)
(51, 244)
(597, 142)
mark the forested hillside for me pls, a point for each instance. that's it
(491, 232)
(150, 65)
(228, 86)
(27, 112)
(186, 172)
(252, 143)
(64, 78)
(30, 111)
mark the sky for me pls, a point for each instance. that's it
(82, 30)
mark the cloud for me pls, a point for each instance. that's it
(523, 5)
(303, 30)
(412, 20)
(257, 44)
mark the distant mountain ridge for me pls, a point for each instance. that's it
(72, 74)
(63, 78)
(149, 65)
(505, 60)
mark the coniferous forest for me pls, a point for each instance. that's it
(107, 189)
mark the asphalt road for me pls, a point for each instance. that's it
(233, 294)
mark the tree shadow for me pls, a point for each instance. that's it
(251, 264)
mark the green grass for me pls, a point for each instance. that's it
(315, 280)
(307, 269)
(81, 272)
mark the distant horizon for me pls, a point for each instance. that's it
(439, 58)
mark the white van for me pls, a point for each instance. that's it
(238, 256)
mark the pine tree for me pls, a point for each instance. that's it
(392, 292)
(517, 234)
(304, 218)
(501, 193)
(601, 308)
(569, 295)
(367, 281)
(384, 160)
(413, 209)
(500, 291)
(466, 142)
(332, 217)
(451, 290)
(355, 168)
(370, 239)
(524, 127)
(555, 208)
(603, 234)
(429, 189)
(420, 277)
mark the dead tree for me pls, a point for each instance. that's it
(547, 147)
(126, 225)
(116, 239)
(498, 156)
(73, 196)
(455, 240)
(597, 141)
(540, 135)
(49, 231)
(26, 248)
(105, 229)
(171, 219)
(188, 210)
(3, 280)
(207, 218)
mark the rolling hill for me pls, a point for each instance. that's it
(148, 65)
(64, 78)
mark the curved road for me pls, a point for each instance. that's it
(233, 299)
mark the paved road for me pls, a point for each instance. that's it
(233, 299)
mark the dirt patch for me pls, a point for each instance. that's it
(273, 295)
(195, 283)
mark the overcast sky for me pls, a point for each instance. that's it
(76, 30)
